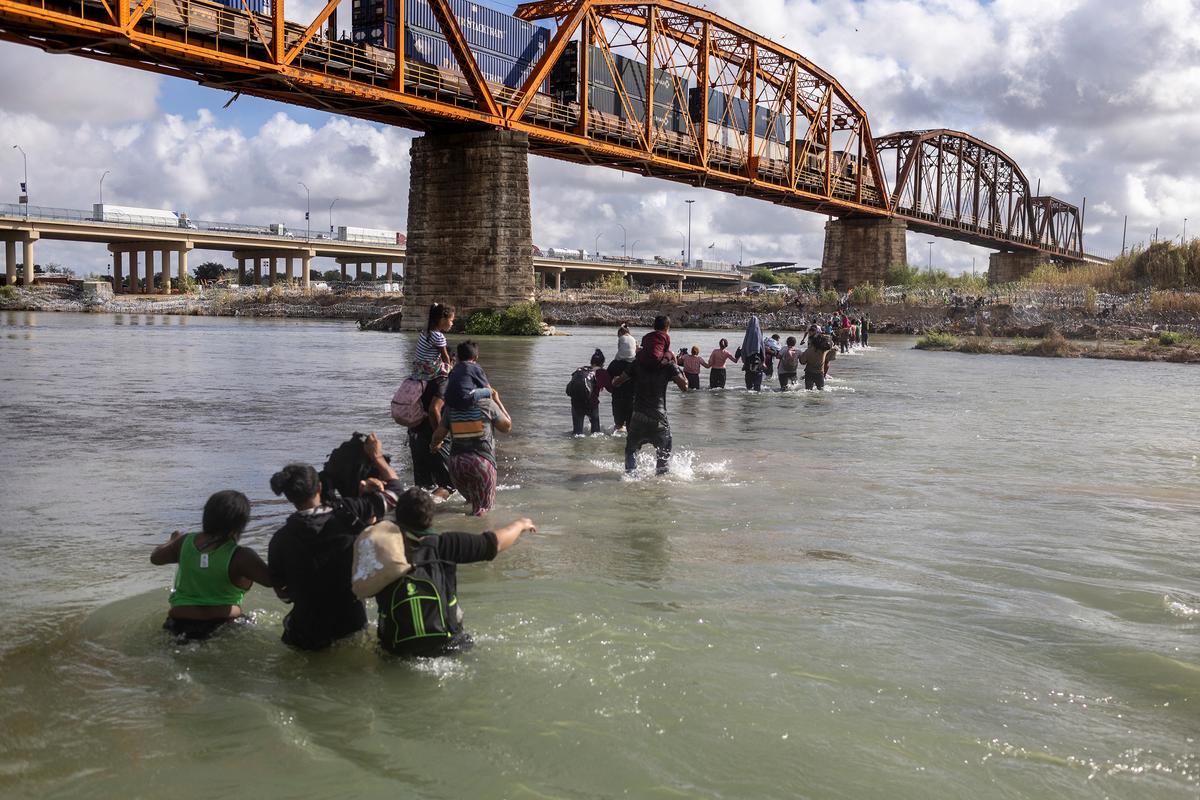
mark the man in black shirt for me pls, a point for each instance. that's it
(649, 424)
(310, 556)
(431, 471)
(414, 516)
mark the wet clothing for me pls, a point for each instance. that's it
(693, 379)
(475, 477)
(864, 331)
(194, 630)
(430, 470)
(814, 380)
(452, 549)
(310, 560)
(716, 378)
(582, 410)
(650, 424)
(816, 364)
(622, 396)
(471, 430)
(202, 579)
(468, 383)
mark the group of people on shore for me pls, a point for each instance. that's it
(357, 533)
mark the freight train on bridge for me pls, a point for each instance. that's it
(659, 88)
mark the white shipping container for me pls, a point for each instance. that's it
(131, 215)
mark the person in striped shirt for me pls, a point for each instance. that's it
(432, 359)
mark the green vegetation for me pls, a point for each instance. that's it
(613, 282)
(868, 294)
(1162, 265)
(792, 280)
(523, 319)
(937, 340)
(8, 292)
(210, 271)
(1171, 338)
(916, 278)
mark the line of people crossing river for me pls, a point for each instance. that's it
(356, 533)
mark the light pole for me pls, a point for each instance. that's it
(331, 216)
(930, 258)
(624, 243)
(683, 245)
(24, 197)
(1183, 238)
(596, 249)
(741, 247)
(689, 241)
(307, 215)
(102, 177)
(633, 249)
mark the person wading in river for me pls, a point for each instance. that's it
(753, 355)
(650, 424)
(472, 443)
(214, 572)
(310, 556)
(716, 362)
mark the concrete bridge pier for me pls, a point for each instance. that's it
(470, 240)
(1009, 267)
(861, 250)
(10, 263)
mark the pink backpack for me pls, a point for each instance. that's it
(406, 403)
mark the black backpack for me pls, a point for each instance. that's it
(419, 614)
(823, 342)
(582, 384)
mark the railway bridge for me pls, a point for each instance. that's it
(657, 88)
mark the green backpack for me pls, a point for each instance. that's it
(419, 614)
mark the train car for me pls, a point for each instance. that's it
(486, 30)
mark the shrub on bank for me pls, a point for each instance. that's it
(523, 319)
(868, 294)
(8, 292)
(937, 340)
(1170, 338)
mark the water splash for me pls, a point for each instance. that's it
(1177, 607)
(683, 466)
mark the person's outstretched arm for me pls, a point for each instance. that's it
(168, 553)
(507, 536)
(247, 565)
(503, 420)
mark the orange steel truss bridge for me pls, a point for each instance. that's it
(815, 152)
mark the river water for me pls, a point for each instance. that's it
(949, 576)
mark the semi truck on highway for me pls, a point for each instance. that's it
(131, 215)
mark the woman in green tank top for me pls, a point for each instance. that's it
(213, 571)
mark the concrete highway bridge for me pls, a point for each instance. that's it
(138, 247)
(807, 144)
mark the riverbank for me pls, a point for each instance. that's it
(1013, 314)
(1168, 347)
(267, 302)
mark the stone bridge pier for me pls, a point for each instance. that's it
(1008, 267)
(861, 250)
(470, 240)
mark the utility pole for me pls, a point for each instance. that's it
(1183, 238)
(596, 254)
(307, 214)
(624, 243)
(930, 258)
(689, 239)
(24, 196)
(102, 177)
(1124, 231)
(331, 216)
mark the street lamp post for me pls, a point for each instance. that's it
(683, 245)
(741, 248)
(24, 197)
(102, 177)
(633, 249)
(307, 215)
(596, 248)
(689, 239)
(1183, 238)
(930, 258)
(624, 243)
(331, 216)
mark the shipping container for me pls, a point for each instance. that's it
(254, 6)
(564, 76)
(485, 29)
(131, 215)
(435, 51)
(733, 112)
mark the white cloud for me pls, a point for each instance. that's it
(1095, 97)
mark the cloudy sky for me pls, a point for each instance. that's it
(1094, 98)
